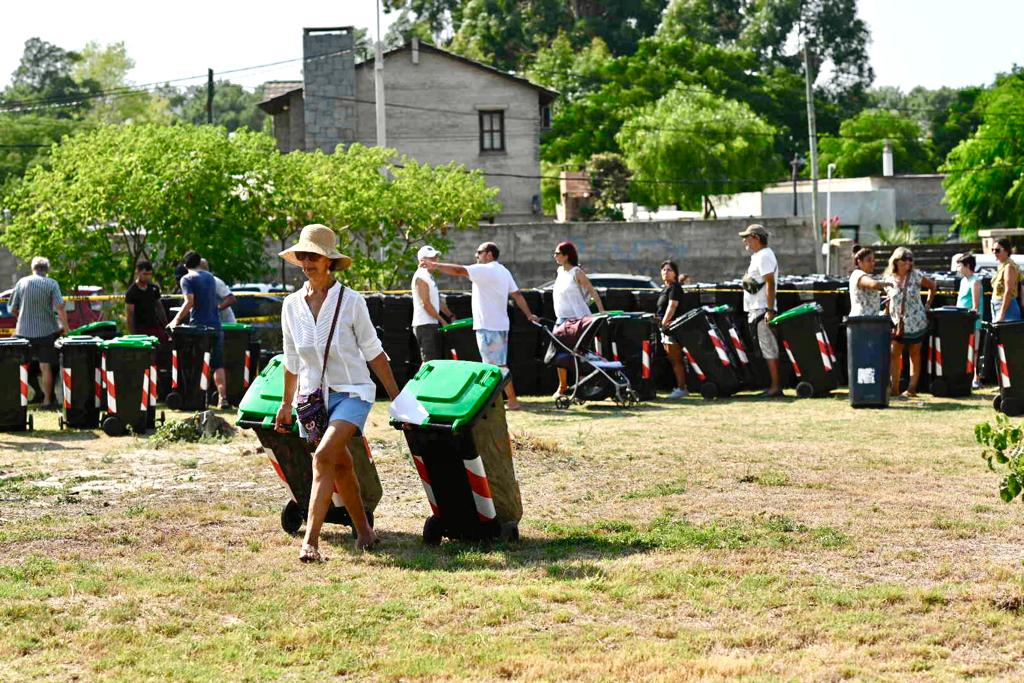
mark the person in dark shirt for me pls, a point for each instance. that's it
(146, 314)
(668, 310)
(201, 309)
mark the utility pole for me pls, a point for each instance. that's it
(795, 166)
(209, 96)
(812, 132)
(378, 85)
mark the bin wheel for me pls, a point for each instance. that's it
(563, 402)
(174, 400)
(805, 390)
(634, 397)
(709, 390)
(997, 402)
(433, 530)
(113, 426)
(940, 387)
(291, 517)
(369, 518)
(31, 423)
(1014, 407)
(509, 532)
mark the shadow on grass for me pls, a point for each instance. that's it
(58, 435)
(560, 548)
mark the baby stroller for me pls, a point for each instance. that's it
(597, 378)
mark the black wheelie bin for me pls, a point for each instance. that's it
(292, 456)
(460, 340)
(868, 357)
(15, 356)
(725, 320)
(809, 349)
(154, 375)
(630, 339)
(453, 417)
(706, 351)
(1008, 342)
(240, 358)
(191, 376)
(81, 382)
(127, 365)
(951, 351)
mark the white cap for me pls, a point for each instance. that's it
(427, 251)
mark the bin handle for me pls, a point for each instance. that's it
(427, 426)
(265, 423)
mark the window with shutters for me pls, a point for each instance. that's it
(492, 131)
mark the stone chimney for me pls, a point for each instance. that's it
(887, 159)
(329, 87)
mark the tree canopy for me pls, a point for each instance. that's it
(857, 150)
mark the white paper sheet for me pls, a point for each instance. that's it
(406, 408)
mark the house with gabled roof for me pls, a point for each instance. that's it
(440, 107)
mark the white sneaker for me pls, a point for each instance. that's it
(679, 393)
(975, 385)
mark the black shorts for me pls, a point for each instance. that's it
(428, 337)
(43, 349)
(217, 351)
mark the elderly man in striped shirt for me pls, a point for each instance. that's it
(39, 308)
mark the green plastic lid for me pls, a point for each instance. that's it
(144, 337)
(236, 327)
(92, 328)
(802, 309)
(458, 325)
(137, 342)
(454, 391)
(614, 314)
(724, 308)
(263, 398)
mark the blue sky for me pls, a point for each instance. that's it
(914, 42)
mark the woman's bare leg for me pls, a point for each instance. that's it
(914, 351)
(896, 368)
(675, 358)
(332, 465)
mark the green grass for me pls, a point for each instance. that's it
(681, 541)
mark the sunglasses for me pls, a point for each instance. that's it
(307, 256)
(996, 250)
(907, 258)
(480, 251)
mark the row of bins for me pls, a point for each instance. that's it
(458, 439)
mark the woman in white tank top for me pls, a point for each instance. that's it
(572, 286)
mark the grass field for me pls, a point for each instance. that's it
(790, 540)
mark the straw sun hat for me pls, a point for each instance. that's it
(317, 239)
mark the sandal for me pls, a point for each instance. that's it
(310, 554)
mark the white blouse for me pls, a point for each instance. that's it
(355, 341)
(570, 301)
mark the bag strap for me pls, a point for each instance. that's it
(330, 335)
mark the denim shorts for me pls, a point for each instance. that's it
(493, 345)
(217, 351)
(345, 408)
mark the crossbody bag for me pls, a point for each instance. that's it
(311, 408)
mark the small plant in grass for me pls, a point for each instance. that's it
(1003, 452)
(189, 430)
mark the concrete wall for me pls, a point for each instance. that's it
(462, 90)
(289, 125)
(327, 76)
(708, 251)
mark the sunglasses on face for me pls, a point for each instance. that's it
(907, 258)
(996, 250)
(307, 256)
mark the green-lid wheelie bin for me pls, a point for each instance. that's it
(129, 383)
(1008, 342)
(951, 351)
(15, 356)
(81, 382)
(292, 457)
(723, 317)
(154, 375)
(240, 359)
(460, 340)
(809, 349)
(104, 329)
(869, 359)
(453, 416)
(191, 375)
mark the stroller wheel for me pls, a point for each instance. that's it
(634, 397)
(563, 402)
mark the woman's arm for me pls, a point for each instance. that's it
(382, 368)
(868, 282)
(932, 287)
(976, 295)
(670, 312)
(283, 421)
(1009, 283)
(583, 281)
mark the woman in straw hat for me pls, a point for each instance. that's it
(307, 317)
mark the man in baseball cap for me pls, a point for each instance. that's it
(759, 285)
(427, 307)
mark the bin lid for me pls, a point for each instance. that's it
(92, 328)
(263, 398)
(458, 325)
(953, 311)
(453, 392)
(722, 308)
(14, 341)
(614, 314)
(194, 330)
(236, 327)
(80, 340)
(802, 309)
(144, 337)
(138, 342)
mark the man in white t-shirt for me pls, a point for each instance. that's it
(427, 308)
(492, 287)
(759, 285)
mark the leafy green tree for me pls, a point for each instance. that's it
(234, 107)
(404, 28)
(26, 139)
(440, 17)
(121, 103)
(45, 78)
(691, 144)
(857, 150)
(570, 70)
(985, 173)
(609, 179)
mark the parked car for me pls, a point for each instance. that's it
(603, 281)
(987, 261)
(256, 306)
(79, 312)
